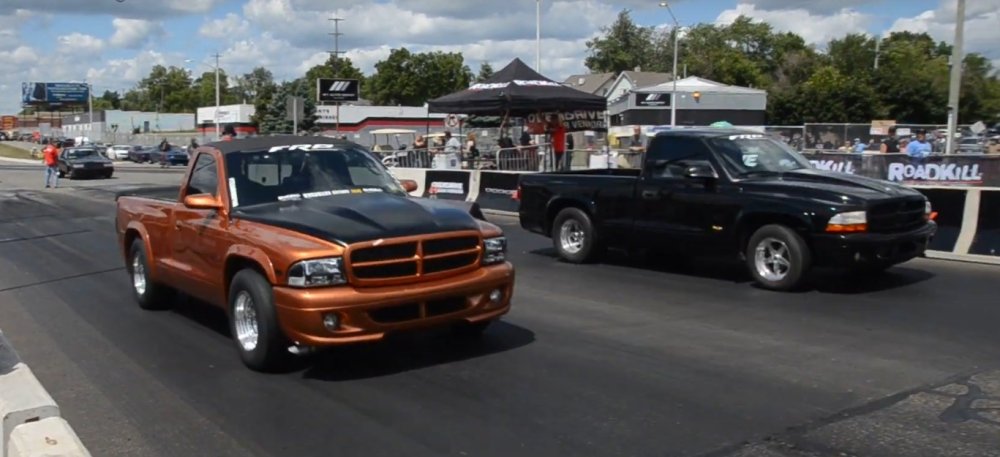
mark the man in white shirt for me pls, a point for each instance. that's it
(449, 158)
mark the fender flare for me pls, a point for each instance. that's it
(254, 254)
(144, 236)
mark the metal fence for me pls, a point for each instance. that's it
(835, 136)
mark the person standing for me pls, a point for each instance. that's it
(890, 145)
(919, 148)
(51, 157)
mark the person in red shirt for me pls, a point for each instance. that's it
(51, 157)
(558, 132)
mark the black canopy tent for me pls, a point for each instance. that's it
(517, 91)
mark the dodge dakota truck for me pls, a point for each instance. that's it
(733, 193)
(308, 243)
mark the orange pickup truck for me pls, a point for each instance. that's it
(310, 242)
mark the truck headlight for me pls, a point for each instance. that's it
(854, 221)
(317, 273)
(929, 214)
(494, 250)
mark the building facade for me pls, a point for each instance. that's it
(699, 102)
(111, 123)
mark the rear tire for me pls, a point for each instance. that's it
(253, 322)
(778, 257)
(574, 236)
(149, 294)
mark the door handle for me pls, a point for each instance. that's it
(650, 194)
(177, 225)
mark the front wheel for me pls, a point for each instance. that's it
(778, 257)
(254, 323)
(574, 236)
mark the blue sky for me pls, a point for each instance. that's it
(114, 44)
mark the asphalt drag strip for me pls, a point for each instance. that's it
(629, 358)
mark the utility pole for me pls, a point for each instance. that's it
(218, 99)
(955, 84)
(878, 46)
(538, 36)
(673, 74)
(90, 111)
(336, 65)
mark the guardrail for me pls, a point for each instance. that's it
(30, 422)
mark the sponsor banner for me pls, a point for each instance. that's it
(8, 122)
(447, 185)
(496, 191)
(652, 99)
(337, 90)
(54, 93)
(575, 121)
(962, 171)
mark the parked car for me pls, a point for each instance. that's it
(119, 151)
(970, 145)
(176, 156)
(733, 193)
(310, 243)
(140, 154)
(84, 162)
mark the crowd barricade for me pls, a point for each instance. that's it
(964, 191)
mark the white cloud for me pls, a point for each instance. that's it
(232, 26)
(80, 43)
(814, 28)
(133, 33)
(982, 26)
(149, 9)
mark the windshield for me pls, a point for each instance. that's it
(754, 154)
(260, 177)
(80, 153)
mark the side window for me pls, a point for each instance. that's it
(670, 157)
(205, 177)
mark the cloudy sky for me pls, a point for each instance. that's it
(113, 43)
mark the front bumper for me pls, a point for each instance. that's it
(368, 314)
(872, 248)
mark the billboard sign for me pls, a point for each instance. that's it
(54, 93)
(337, 90)
(652, 99)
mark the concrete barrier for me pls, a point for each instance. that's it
(30, 424)
(49, 437)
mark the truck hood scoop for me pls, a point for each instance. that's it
(362, 217)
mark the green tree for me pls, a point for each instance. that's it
(273, 117)
(831, 96)
(912, 79)
(257, 88)
(410, 79)
(853, 54)
(485, 72)
(204, 89)
(166, 90)
(623, 46)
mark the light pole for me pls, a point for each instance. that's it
(673, 73)
(538, 36)
(955, 83)
(218, 98)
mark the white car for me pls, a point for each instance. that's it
(118, 152)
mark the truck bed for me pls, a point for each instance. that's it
(166, 193)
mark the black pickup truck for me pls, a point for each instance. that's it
(730, 192)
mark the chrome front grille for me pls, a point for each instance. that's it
(413, 258)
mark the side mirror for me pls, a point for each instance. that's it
(202, 201)
(700, 172)
(409, 185)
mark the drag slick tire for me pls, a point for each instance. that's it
(253, 322)
(777, 257)
(148, 294)
(574, 236)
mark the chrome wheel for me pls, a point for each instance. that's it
(571, 236)
(138, 275)
(245, 319)
(771, 259)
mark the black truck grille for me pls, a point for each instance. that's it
(412, 259)
(896, 216)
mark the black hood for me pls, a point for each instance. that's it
(355, 218)
(830, 186)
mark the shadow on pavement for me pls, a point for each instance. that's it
(823, 280)
(411, 351)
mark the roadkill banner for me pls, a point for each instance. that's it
(447, 185)
(971, 171)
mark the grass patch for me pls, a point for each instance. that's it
(14, 152)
